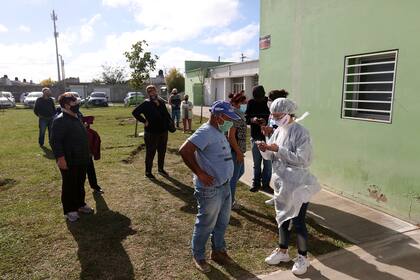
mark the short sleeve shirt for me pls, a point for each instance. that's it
(213, 155)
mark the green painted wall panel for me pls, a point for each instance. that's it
(309, 40)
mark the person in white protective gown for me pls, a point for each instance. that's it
(290, 150)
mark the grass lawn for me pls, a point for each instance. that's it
(140, 230)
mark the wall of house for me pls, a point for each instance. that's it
(373, 163)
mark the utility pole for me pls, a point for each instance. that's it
(243, 57)
(54, 19)
(63, 75)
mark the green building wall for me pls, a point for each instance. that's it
(374, 163)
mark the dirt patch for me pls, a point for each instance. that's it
(7, 183)
(133, 154)
(118, 147)
(126, 121)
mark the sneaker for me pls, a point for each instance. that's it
(202, 265)
(277, 256)
(270, 202)
(301, 265)
(150, 176)
(254, 189)
(98, 189)
(163, 172)
(86, 209)
(221, 257)
(72, 216)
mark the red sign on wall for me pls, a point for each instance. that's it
(265, 42)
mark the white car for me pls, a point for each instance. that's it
(31, 98)
(7, 100)
(76, 94)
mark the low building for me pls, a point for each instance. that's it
(208, 81)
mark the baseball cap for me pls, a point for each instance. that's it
(223, 107)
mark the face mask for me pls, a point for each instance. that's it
(242, 108)
(75, 108)
(153, 97)
(225, 126)
(283, 121)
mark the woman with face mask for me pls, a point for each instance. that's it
(237, 141)
(186, 114)
(289, 148)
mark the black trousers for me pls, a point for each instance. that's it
(301, 231)
(91, 174)
(73, 188)
(155, 142)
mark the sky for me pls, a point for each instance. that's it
(97, 32)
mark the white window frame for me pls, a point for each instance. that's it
(356, 99)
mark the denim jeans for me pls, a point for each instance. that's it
(238, 171)
(176, 116)
(214, 204)
(301, 231)
(265, 175)
(43, 125)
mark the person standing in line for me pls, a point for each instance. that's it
(186, 114)
(290, 150)
(69, 142)
(95, 153)
(175, 102)
(155, 117)
(237, 141)
(45, 110)
(257, 114)
(208, 155)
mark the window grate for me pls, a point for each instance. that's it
(368, 86)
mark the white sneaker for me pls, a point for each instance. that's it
(301, 265)
(72, 216)
(277, 256)
(86, 209)
(270, 202)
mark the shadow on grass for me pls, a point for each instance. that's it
(186, 194)
(48, 153)
(99, 238)
(7, 183)
(234, 270)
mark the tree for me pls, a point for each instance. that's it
(47, 82)
(112, 75)
(141, 64)
(175, 79)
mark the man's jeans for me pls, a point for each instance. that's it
(176, 116)
(238, 171)
(265, 175)
(43, 125)
(214, 204)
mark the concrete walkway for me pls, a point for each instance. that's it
(385, 247)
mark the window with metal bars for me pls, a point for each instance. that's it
(368, 86)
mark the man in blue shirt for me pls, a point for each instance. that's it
(207, 154)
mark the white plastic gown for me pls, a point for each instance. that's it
(293, 183)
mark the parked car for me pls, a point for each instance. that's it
(7, 100)
(23, 96)
(134, 98)
(30, 100)
(97, 98)
(76, 94)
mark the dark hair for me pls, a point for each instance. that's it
(258, 92)
(276, 93)
(237, 97)
(66, 98)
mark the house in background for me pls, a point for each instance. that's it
(354, 66)
(219, 79)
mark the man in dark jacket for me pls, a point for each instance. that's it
(257, 114)
(69, 142)
(155, 117)
(45, 110)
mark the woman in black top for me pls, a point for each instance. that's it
(257, 113)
